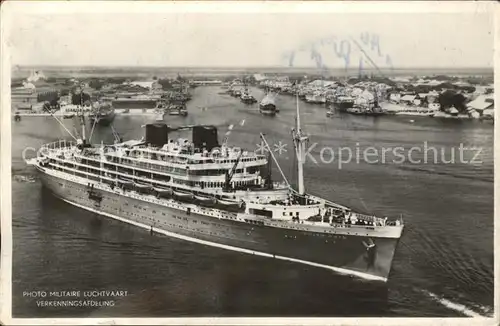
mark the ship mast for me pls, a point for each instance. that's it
(82, 116)
(300, 140)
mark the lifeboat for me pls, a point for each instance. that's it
(142, 186)
(205, 199)
(231, 203)
(124, 181)
(183, 194)
(163, 191)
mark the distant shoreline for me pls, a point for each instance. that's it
(89, 71)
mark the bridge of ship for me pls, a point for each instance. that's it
(313, 211)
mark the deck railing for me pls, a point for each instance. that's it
(60, 144)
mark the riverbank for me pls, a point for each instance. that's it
(400, 109)
(64, 114)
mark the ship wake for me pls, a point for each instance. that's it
(485, 312)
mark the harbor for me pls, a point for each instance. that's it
(465, 97)
(212, 166)
(352, 181)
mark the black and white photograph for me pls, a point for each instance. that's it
(263, 162)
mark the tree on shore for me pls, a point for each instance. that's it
(165, 84)
(78, 99)
(450, 98)
(96, 84)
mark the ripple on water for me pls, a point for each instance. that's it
(445, 255)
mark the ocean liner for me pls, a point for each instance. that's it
(213, 194)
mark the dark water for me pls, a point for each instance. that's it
(443, 266)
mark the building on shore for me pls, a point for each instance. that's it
(408, 99)
(206, 82)
(24, 97)
(483, 105)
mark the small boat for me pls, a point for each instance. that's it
(68, 116)
(356, 110)
(126, 182)
(183, 194)
(17, 117)
(330, 113)
(178, 109)
(315, 98)
(376, 111)
(163, 191)
(205, 199)
(230, 203)
(366, 110)
(247, 98)
(267, 106)
(142, 186)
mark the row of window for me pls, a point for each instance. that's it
(94, 170)
(163, 168)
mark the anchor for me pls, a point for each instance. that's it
(371, 250)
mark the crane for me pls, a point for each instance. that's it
(230, 174)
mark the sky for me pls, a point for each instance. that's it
(253, 39)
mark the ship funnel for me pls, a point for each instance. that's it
(157, 134)
(205, 137)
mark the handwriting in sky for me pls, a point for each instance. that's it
(373, 40)
(370, 43)
(344, 52)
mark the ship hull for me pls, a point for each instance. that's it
(104, 119)
(134, 104)
(338, 251)
(248, 100)
(343, 106)
(268, 109)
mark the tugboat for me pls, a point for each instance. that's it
(247, 98)
(268, 105)
(236, 93)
